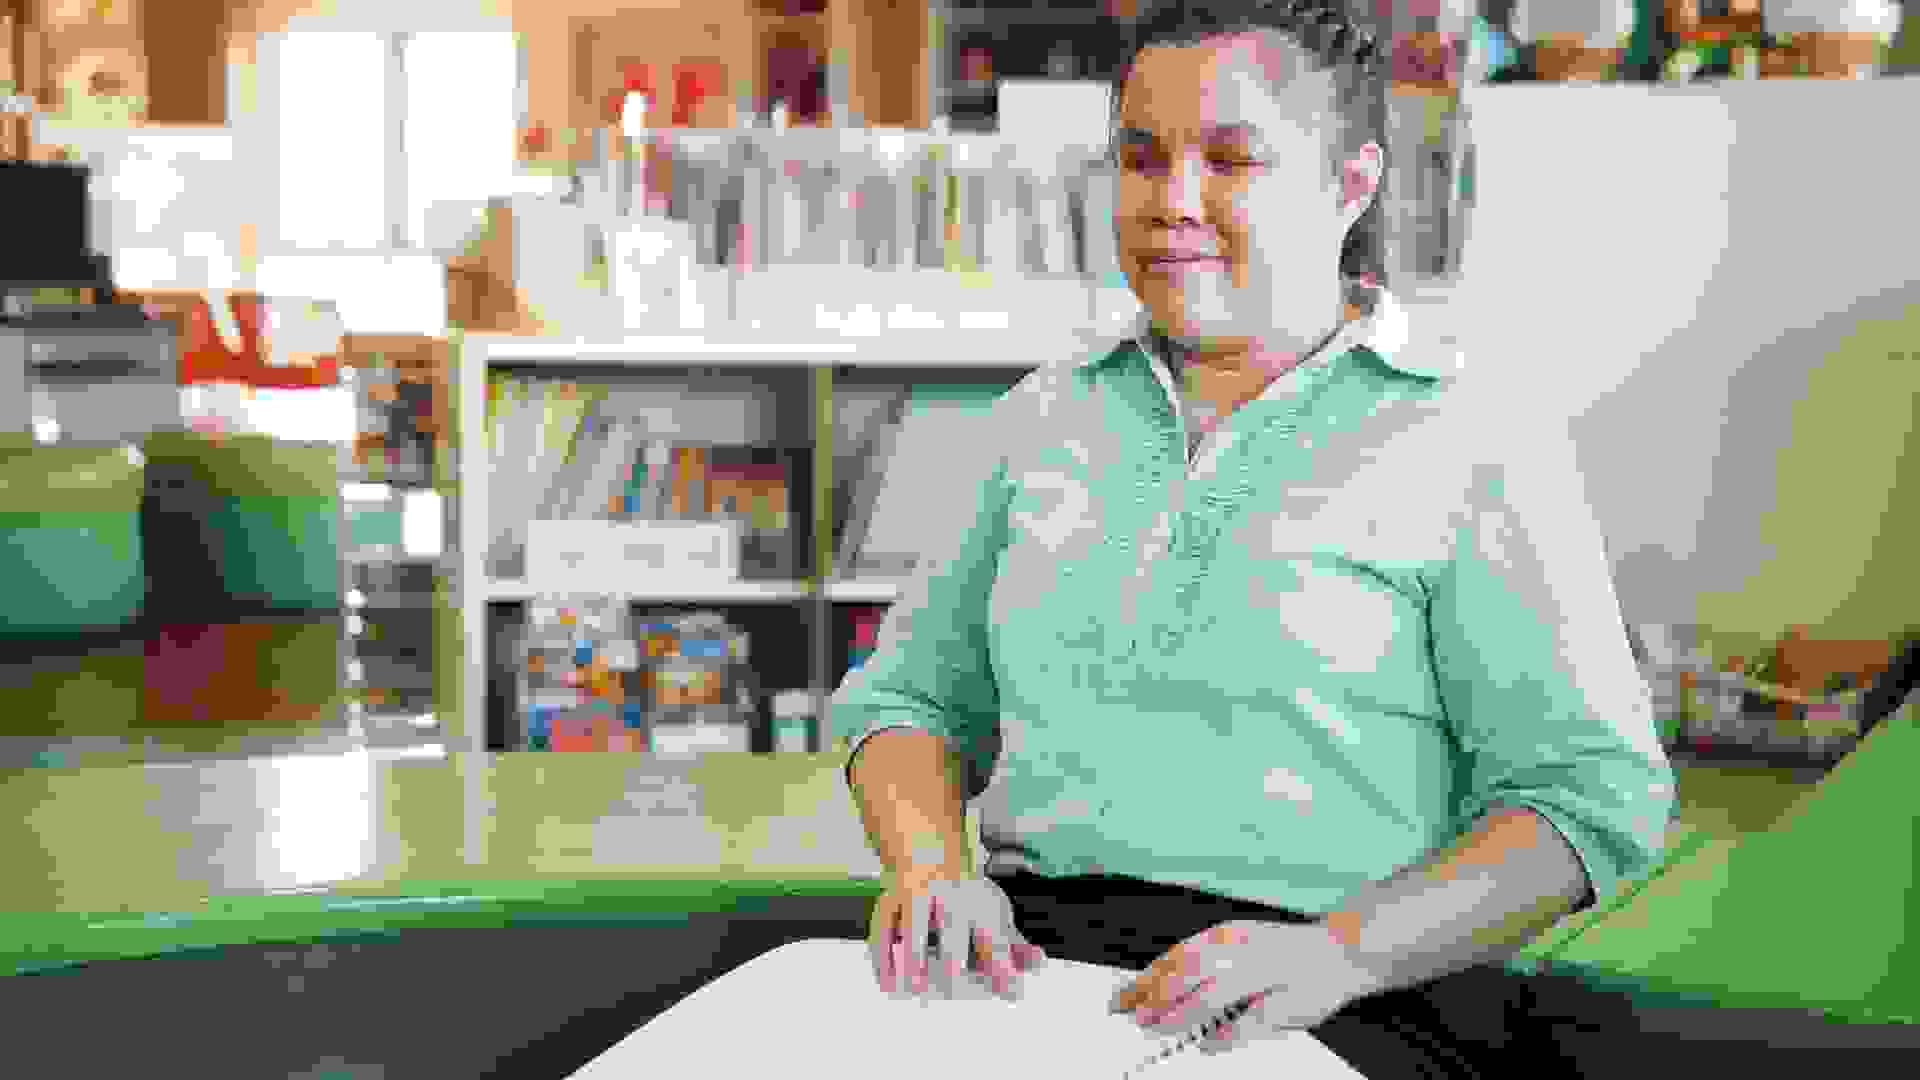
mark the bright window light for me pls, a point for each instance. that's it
(460, 93)
(333, 97)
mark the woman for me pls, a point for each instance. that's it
(1281, 665)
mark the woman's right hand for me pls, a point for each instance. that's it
(966, 907)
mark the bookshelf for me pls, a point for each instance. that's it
(802, 625)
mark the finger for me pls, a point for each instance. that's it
(1191, 1003)
(880, 938)
(986, 948)
(1004, 975)
(1003, 957)
(952, 938)
(1226, 1037)
(1147, 990)
(1132, 995)
(902, 981)
(1238, 1031)
(916, 951)
(1029, 956)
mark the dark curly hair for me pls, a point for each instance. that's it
(1335, 43)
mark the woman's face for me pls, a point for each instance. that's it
(1228, 222)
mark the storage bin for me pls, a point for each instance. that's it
(71, 558)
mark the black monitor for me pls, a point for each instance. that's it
(44, 214)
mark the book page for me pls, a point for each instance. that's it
(812, 1008)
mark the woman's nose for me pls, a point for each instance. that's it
(1177, 192)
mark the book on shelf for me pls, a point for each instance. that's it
(571, 484)
(857, 480)
(658, 459)
(560, 452)
(616, 454)
(512, 447)
(567, 406)
(594, 679)
(537, 438)
(928, 443)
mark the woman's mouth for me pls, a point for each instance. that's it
(1177, 265)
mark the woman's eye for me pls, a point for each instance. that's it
(1146, 161)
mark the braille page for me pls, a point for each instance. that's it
(811, 1008)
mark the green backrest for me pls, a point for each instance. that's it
(1815, 912)
(271, 516)
(70, 552)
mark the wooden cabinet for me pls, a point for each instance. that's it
(118, 62)
(186, 56)
(88, 61)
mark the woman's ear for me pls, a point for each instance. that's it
(1361, 178)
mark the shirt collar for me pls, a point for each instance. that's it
(1382, 329)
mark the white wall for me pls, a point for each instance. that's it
(1662, 266)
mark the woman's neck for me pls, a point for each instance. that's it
(1236, 360)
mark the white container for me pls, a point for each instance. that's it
(794, 715)
(652, 270)
(687, 740)
(630, 556)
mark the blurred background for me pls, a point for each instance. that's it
(453, 437)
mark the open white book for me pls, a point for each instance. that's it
(812, 1008)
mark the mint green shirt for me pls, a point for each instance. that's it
(1370, 606)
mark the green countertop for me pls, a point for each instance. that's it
(140, 859)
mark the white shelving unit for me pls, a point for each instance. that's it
(665, 592)
(1012, 352)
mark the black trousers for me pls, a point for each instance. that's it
(1468, 1026)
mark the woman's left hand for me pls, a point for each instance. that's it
(1298, 975)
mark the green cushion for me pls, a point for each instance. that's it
(282, 552)
(245, 466)
(70, 553)
(272, 520)
(67, 572)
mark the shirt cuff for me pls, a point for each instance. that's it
(1596, 884)
(854, 753)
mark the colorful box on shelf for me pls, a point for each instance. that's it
(623, 556)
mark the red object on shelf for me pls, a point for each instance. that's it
(574, 732)
(635, 78)
(205, 358)
(866, 626)
(693, 83)
(976, 65)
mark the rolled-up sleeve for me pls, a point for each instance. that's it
(1536, 677)
(931, 668)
